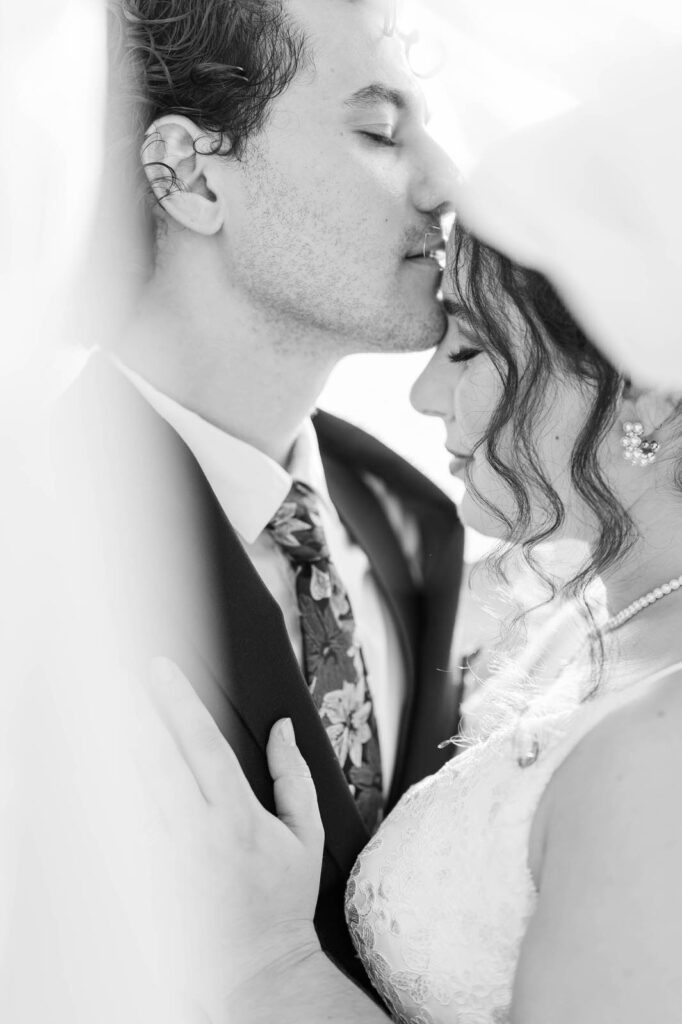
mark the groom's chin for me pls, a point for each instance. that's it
(420, 331)
(400, 326)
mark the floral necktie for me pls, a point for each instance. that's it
(334, 665)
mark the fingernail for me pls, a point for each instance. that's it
(286, 732)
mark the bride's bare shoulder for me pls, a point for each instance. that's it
(625, 771)
(644, 731)
(605, 854)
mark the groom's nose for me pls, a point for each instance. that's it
(435, 181)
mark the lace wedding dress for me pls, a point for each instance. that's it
(438, 902)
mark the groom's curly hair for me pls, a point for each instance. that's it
(218, 62)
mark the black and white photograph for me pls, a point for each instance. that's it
(341, 435)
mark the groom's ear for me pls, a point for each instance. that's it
(183, 169)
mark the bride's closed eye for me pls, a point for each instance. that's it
(463, 355)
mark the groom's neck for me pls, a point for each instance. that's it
(255, 387)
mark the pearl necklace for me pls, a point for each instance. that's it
(616, 621)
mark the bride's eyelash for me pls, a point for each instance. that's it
(463, 355)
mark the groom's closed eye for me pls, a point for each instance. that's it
(389, 106)
(383, 134)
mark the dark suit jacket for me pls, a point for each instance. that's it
(172, 577)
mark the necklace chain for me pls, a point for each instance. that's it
(616, 621)
(529, 745)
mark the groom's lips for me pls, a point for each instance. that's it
(431, 249)
(430, 260)
(436, 256)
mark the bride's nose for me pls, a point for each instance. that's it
(429, 394)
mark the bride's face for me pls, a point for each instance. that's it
(462, 385)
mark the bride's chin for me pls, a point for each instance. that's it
(475, 517)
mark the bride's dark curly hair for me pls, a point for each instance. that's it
(490, 287)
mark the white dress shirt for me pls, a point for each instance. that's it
(250, 487)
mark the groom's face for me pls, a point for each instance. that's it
(334, 198)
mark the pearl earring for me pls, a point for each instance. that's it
(637, 449)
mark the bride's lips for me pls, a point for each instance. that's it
(459, 461)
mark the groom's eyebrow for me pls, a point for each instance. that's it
(377, 92)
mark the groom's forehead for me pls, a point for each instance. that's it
(345, 28)
(386, 10)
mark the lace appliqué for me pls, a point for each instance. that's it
(438, 902)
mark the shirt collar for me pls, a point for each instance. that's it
(249, 485)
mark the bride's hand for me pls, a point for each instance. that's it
(249, 879)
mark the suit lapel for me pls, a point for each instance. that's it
(264, 683)
(195, 596)
(366, 522)
(425, 613)
(363, 517)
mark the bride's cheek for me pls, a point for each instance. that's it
(474, 407)
(473, 512)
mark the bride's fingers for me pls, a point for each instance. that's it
(198, 738)
(295, 796)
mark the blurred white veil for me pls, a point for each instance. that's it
(564, 121)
